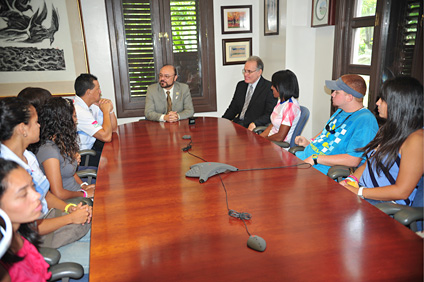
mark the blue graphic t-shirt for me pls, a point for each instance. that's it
(346, 133)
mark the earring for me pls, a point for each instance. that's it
(25, 135)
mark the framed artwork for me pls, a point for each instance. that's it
(236, 19)
(271, 16)
(323, 12)
(236, 51)
(43, 47)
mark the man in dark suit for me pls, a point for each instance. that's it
(253, 101)
(168, 100)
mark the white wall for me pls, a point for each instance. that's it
(306, 51)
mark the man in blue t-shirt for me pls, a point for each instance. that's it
(351, 127)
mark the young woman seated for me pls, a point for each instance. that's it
(394, 165)
(286, 113)
(58, 148)
(20, 201)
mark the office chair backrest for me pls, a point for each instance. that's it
(304, 116)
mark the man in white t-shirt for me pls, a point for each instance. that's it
(96, 119)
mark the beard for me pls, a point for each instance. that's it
(165, 84)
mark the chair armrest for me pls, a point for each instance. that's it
(408, 215)
(389, 208)
(295, 149)
(338, 172)
(282, 144)
(259, 129)
(77, 200)
(50, 255)
(66, 270)
(87, 152)
(87, 173)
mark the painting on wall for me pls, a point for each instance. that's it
(236, 51)
(41, 45)
(323, 12)
(271, 15)
(236, 19)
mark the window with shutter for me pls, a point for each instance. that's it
(147, 34)
(378, 43)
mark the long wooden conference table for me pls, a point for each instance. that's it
(152, 223)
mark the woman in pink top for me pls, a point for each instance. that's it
(20, 201)
(286, 113)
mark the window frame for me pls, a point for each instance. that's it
(128, 106)
(385, 16)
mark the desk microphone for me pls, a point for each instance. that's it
(188, 147)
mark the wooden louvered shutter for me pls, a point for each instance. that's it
(412, 45)
(139, 42)
(146, 34)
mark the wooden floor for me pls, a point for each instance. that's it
(151, 223)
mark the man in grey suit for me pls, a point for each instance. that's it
(168, 100)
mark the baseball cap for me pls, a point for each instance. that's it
(350, 83)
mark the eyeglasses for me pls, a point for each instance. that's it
(243, 71)
(167, 76)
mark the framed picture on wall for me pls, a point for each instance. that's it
(271, 15)
(323, 12)
(236, 51)
(49, 52)
(236, 19)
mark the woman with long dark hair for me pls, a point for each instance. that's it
(394, 165)
(286, 113)
(57, 150)
(20, 201)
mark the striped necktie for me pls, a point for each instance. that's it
(246, 102)
(168, 102)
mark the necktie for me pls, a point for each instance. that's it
(246, 102)
(168, 102)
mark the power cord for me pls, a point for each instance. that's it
(240, 215)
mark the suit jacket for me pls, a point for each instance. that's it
(260, 107)
(156, 101)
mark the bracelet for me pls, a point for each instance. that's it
(353, 177)
(85, 193)
(111, 112)
(84, 183)
(68, 206)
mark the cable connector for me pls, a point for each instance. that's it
(185, 149)
(242, 215)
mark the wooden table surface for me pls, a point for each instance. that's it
(151, 223)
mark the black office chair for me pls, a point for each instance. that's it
(87, 174)
(63, 271)
(411, 216)
(304, 116)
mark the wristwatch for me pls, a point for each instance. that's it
(315, 158)
(360, 192)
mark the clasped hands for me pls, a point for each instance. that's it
(81, 214)
(171, 117)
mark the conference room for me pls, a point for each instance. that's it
(152, 222)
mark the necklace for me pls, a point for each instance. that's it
(332, 131)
